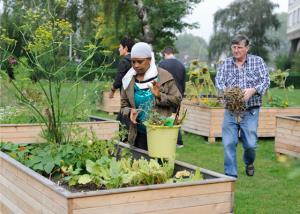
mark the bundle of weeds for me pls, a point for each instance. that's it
(234, 100)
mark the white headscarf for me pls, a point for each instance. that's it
(141, 50)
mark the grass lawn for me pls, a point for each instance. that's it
(269, 191)
(293, 96)
(103, 114)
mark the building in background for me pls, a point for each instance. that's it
(293, 29)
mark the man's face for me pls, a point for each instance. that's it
(239, 51)
(122, 50)
(140, 65)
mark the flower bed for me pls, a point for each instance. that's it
(207, 121)
(25, 191)
(287, 138)
(28, 133)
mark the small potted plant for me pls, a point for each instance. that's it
(162, 134)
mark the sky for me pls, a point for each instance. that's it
(204, 11)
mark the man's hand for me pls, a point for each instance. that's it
(248, 93)
(133, 115)
(155, 89)
(111, 93)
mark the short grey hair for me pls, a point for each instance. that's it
(239, 38)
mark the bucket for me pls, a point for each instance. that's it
(162, 141)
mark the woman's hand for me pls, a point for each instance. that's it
(133, 115)
(155, 89)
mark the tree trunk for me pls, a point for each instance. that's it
(143, 16)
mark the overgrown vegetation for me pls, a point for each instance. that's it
(200, 88)
(45, 45)
(91, 164)
(279, 77)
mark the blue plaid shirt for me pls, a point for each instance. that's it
(252, 74)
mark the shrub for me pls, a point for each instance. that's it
(296, 63)
(283, 62)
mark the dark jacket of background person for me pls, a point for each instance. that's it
(123, 66)
(170, 98)
(177, 69)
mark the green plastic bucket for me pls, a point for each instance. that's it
(162, 141)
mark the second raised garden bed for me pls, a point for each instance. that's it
(207, 121)
(110, 105)
(287, 138)
(30, 133)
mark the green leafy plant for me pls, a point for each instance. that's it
(95, 164)
(156, 119)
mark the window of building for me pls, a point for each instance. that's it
(294, 17)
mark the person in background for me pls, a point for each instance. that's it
(249, 73)
(123, 66)
(177, 69)
(146, 88)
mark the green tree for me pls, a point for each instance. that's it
(191, 47)
(153, 21)
(250, 17)
(280, 56)
(103, 21)
(280, 35)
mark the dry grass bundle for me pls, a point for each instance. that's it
(234, 100)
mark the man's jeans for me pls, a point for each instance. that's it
(248, 132)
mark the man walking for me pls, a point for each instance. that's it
(249, 73)
(177, 69)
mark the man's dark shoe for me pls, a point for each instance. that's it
(250, 170)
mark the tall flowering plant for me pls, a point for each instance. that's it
(47, 43)
(200, 86)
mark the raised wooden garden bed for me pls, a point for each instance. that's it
(207, 121)
(287, 138)
(110, 105)
(25, 191)
(29, 133)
